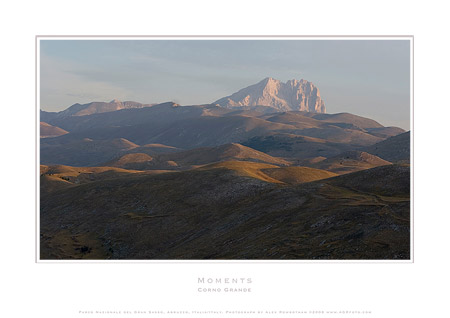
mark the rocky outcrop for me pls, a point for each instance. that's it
(294, 95)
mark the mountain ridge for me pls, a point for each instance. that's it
(93, 108)
(292, 95)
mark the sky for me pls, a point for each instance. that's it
(370, 78)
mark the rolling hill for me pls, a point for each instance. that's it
(296, 175)
(47, 130)
(161, 114)
(225, 152)
(136, 161)
(292, 135)
(216, 213)
(295, 147)
(350, 161)
(211, 125)
(192, 158)
(346, 118)
(82, 152)
(56, 177)
(394, 149)
(93, 108)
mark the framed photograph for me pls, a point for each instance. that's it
(240, 149)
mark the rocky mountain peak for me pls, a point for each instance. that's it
(294, 95)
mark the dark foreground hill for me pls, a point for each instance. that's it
(221, 212)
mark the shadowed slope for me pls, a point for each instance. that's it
(347, 118)
(395, 180)
(83, 152)
(295, 147)
(218, 214)
(58, 177)
(213, 131)
(394, 149)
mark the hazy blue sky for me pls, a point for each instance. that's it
(365, 77)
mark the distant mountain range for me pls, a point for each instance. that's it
(92, 108)
(296, 135)
(274, 95)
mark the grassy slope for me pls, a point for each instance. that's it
(223, 213)
(350, 161)
(188, 159)
(296, 175)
